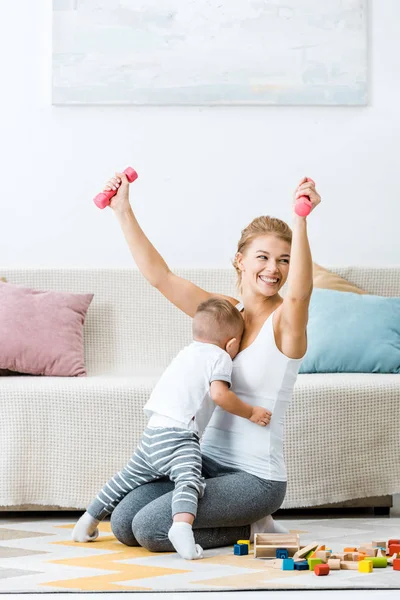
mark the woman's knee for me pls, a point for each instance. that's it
(121, 526)
(149, 530)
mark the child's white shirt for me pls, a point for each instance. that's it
(182, 392)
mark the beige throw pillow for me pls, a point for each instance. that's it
(325, 279)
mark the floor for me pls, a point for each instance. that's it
(220, 595)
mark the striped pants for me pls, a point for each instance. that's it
(162, 452)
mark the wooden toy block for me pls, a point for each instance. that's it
(244, 542)
(368, 550)
(275, 564)
(281, 553)
(380, 562)
(334, 564)
(349, 565)
(361, 556)
(391, 542)
(301, 565)
(381, 552)
(396, 564)
(312, 562)
(240, 549)
(379, 544)
(321, 547)
(365, 566)
(394, 548)
(288, 564)
(309, 549)
(266, 544)
(321, 570)
(322, 554)
(350, 549)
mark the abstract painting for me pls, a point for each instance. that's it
(210, 52)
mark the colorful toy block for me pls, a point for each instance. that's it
(334, 564)
(240, 549)
(301, 565)
(306, 551)
(281, 553)
(368, 550)
(288, 564)
(396, 564)
(391, 542)
(321, 570)
(350, 549)
(394, 549)
(380, 562)
(322, 554)
(275, 564)
(244, 542)
(349, 565)
(312, 562)
(365, 566)
(379, 544)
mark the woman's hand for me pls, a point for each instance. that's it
(306, 187)
(120, 202)
(260, 416)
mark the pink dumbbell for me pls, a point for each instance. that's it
(303, 204)
(103, 199)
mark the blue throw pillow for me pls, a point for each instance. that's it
(352, 333)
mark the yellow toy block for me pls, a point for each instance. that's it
(244, 542)
(365, 566)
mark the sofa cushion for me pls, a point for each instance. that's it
(352, 333)
(41, 333)
(322, 278)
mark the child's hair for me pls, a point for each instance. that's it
(217, 321)
(260, 226)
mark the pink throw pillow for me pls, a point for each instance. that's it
(41, 333)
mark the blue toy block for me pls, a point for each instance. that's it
(288, 564)
(240, 549)
(281, 553)
(301, 565)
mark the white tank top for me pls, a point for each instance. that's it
(261, 376)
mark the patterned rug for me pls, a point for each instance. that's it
(36, 555)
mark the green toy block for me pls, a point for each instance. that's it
(379, 562)
(314, 561)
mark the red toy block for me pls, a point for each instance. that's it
(394, 549)
(321, 569)
(396, 564)
(390, 542)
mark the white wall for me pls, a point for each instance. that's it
(204, 172)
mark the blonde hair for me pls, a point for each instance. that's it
(260, 226)
(217, 321)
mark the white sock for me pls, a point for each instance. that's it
(182, 538)
(86, 529)
(266, 525)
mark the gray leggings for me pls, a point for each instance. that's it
(233, 499)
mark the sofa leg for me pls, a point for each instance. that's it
(382, 511)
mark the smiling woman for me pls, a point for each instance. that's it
(244, 468)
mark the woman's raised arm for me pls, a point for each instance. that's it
(294, 312)
(182, 293)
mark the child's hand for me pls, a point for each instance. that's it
(261, 416)
(119, 202)
(86, 529)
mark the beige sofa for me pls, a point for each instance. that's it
(61, 438)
